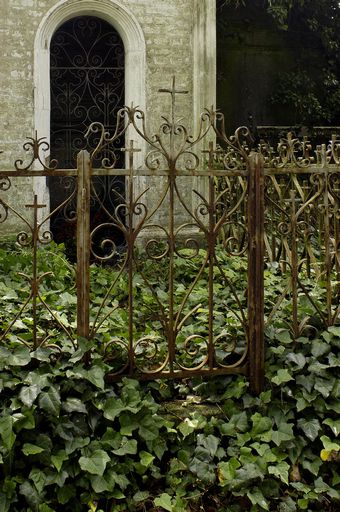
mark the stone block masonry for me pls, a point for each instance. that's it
(167, 27)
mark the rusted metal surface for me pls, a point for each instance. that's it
(275, 209)
(255, 222)
(83, 243)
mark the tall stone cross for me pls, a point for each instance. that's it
(173, 91)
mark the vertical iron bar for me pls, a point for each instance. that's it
(328, 259)
(130, 246)
(284, 253)
(255, 271)
(171, 331)
(336, 224)
(211, 249)
(35, 280)
(211, 240)
(83, 243)
(35, 273)
(294, 262)
(130, 204)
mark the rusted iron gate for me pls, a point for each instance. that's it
(266, 207)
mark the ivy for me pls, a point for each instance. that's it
(71, 442)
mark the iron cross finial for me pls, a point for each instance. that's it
(130, 150)
(35, 204)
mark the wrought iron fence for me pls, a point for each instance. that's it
(256, 209)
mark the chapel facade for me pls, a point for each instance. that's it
(154, 42)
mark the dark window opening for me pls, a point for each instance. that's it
(87, 85)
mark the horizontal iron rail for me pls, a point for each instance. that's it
(268, 171)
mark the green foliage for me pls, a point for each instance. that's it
(312, 95)
(72, 442)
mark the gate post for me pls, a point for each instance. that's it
(83, 242)
(255, 212)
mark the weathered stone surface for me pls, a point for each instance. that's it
(168, 27)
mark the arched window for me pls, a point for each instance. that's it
(87, 85)
(87, 82)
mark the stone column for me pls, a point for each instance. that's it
(204, 55)
(204, 73)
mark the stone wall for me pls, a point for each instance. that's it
(167, 26)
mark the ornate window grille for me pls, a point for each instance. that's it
(87, 85)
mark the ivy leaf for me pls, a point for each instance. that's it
(226, 471)
(96, 376)
(115, 478)
(158, 447)
(335, 330)
(186, 428)
(283, 433)
(30, 493)
(257, 498)
(5, 503)
(24, 420)
(29, 393)
(328, 444)
(313, 466)
(74, 405)
(42, 354)
(287, 505)
(297, 358)
(248, 473)
(65, 493)
(39, 478)
(140, 496)
(112, 408)
(319, 348)
(84, 346)
(310, 428)
(164, 501)
(96, 463)
(20, 356)
(209, 442)
(148, 430)
(301, 404)
(58, 458)
(284, 337)
(128, 423)
(6, 432)
(281, 470)
(117, 494)
(31, 449)
(202, 469)
(334, 425)
(260, 424)
(74, 444)
(282, 376)
(45, 508)
(128, 446)
(99, 484)
(146, 458)
(324, 386)
(50, 401)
